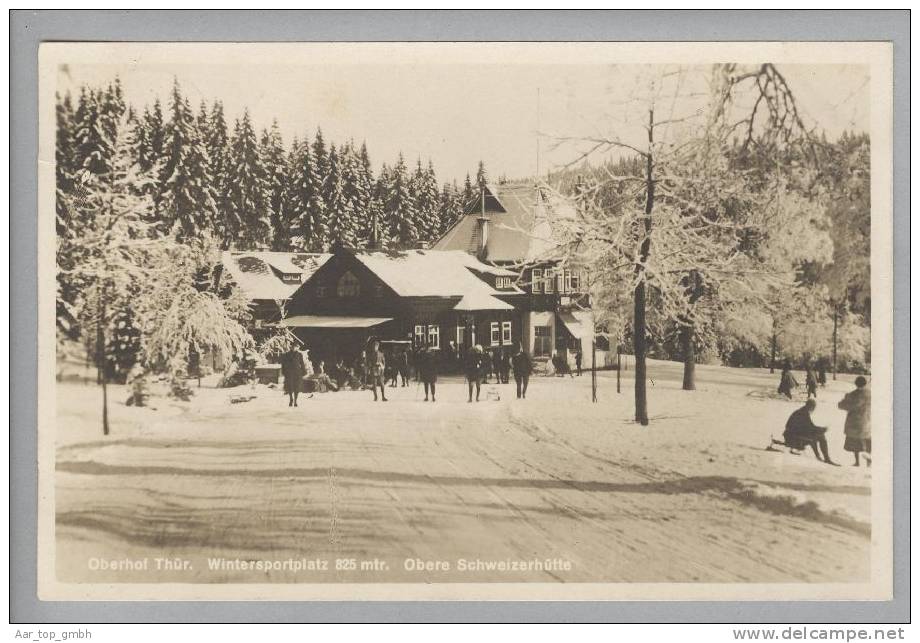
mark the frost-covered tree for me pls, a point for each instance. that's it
(186, 308)
(186, 203)
(338, 209)
(425, 194)
(317, 205)
(304, 198)
(275, 163)
(678, 229)
(399, 206)
(469, 193)
(248, 224)
(112, 249)
(482, 179)
(151, 137)
(451, 207)
(217, 144)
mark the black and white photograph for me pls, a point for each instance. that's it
(465, 321)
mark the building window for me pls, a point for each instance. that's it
(542, 341)
(506, 332)
(434, 336)
(536, 280)
(560, 280)
(320, 292)
(378, 291)
(419, 335)
(496, 334)
(348, 286)
(568, 281)
(576, 281)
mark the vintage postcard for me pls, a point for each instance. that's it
(465, 321)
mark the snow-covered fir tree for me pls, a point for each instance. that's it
(427, 200)
(482, 179)
(399, 207)
(303, 195)
(451, 207)
(317, 208)
(217, 144)
(275, 163)
(186, 202)
(248, 221)
(337, 206)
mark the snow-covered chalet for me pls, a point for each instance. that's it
(509, 226)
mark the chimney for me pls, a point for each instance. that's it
(482, 228)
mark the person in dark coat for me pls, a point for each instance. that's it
(811, 382)
(293, 369)
(474, 364)
(822, 374)
(801, 431)
(375, 364)
(522, 367)
(402, 366)
(578, 358)
(427, 364)
(856, 428)
(497, 364)
(786, 381)
(506, 365)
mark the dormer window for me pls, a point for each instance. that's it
(290, 277)
(348, 286)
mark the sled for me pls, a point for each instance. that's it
(794, 449)
(492, 393)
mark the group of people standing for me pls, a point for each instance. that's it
(814, 376)
(477, 366)
(801, 431)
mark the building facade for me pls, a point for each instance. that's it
(510, 226)
(447, 301)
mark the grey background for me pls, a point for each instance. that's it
(29, 28)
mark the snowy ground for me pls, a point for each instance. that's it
(692, 497)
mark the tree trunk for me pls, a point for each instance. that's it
(639, 341)
(687, 332)
(619, 366)
(100, 358)
(639, 295)
(773, 348)
(593, 370)
(689, 350)
(834, 349)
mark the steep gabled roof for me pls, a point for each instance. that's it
(260, 274)
(436, 273)
(519, 225)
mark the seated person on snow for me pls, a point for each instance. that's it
(801, 432)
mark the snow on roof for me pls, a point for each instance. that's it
(271, 275)
(433, 273)
(482, 301)
(519, 225)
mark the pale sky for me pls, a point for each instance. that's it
(454, 114)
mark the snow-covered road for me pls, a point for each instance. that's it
(406, 485)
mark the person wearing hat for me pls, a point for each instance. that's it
(801, 431)
(856, 428)
(427, 363)
(473, 366)
(522, 367)
(293, 370)
(375, 365)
